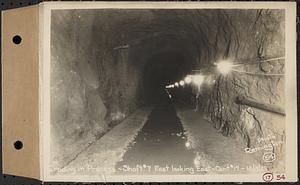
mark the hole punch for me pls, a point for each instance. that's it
(17, 39)
(18, 145)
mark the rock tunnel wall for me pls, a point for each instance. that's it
(247, 37)
(98, 60)
(93, 86)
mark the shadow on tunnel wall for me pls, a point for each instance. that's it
(107, 63)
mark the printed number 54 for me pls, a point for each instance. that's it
(280, 177)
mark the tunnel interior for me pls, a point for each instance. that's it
(108, 63)
(160, 70)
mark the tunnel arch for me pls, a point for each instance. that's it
(99, 57)
(170, 46)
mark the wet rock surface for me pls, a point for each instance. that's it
(259, 80)
(214, 152)
(101, 156)
(161, 147)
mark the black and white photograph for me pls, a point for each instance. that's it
(168, 91)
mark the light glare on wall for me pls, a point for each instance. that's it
(224, 66)
(198, 79)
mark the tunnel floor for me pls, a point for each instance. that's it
(160, 147)
(167, 138)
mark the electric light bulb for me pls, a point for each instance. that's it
(188, 144)
(188, 80)
(224, 66)
(181, 83)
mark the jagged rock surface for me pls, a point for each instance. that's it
(99, 69)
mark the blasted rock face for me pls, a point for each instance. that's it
(99, 60)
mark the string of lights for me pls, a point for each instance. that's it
(224, 67)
